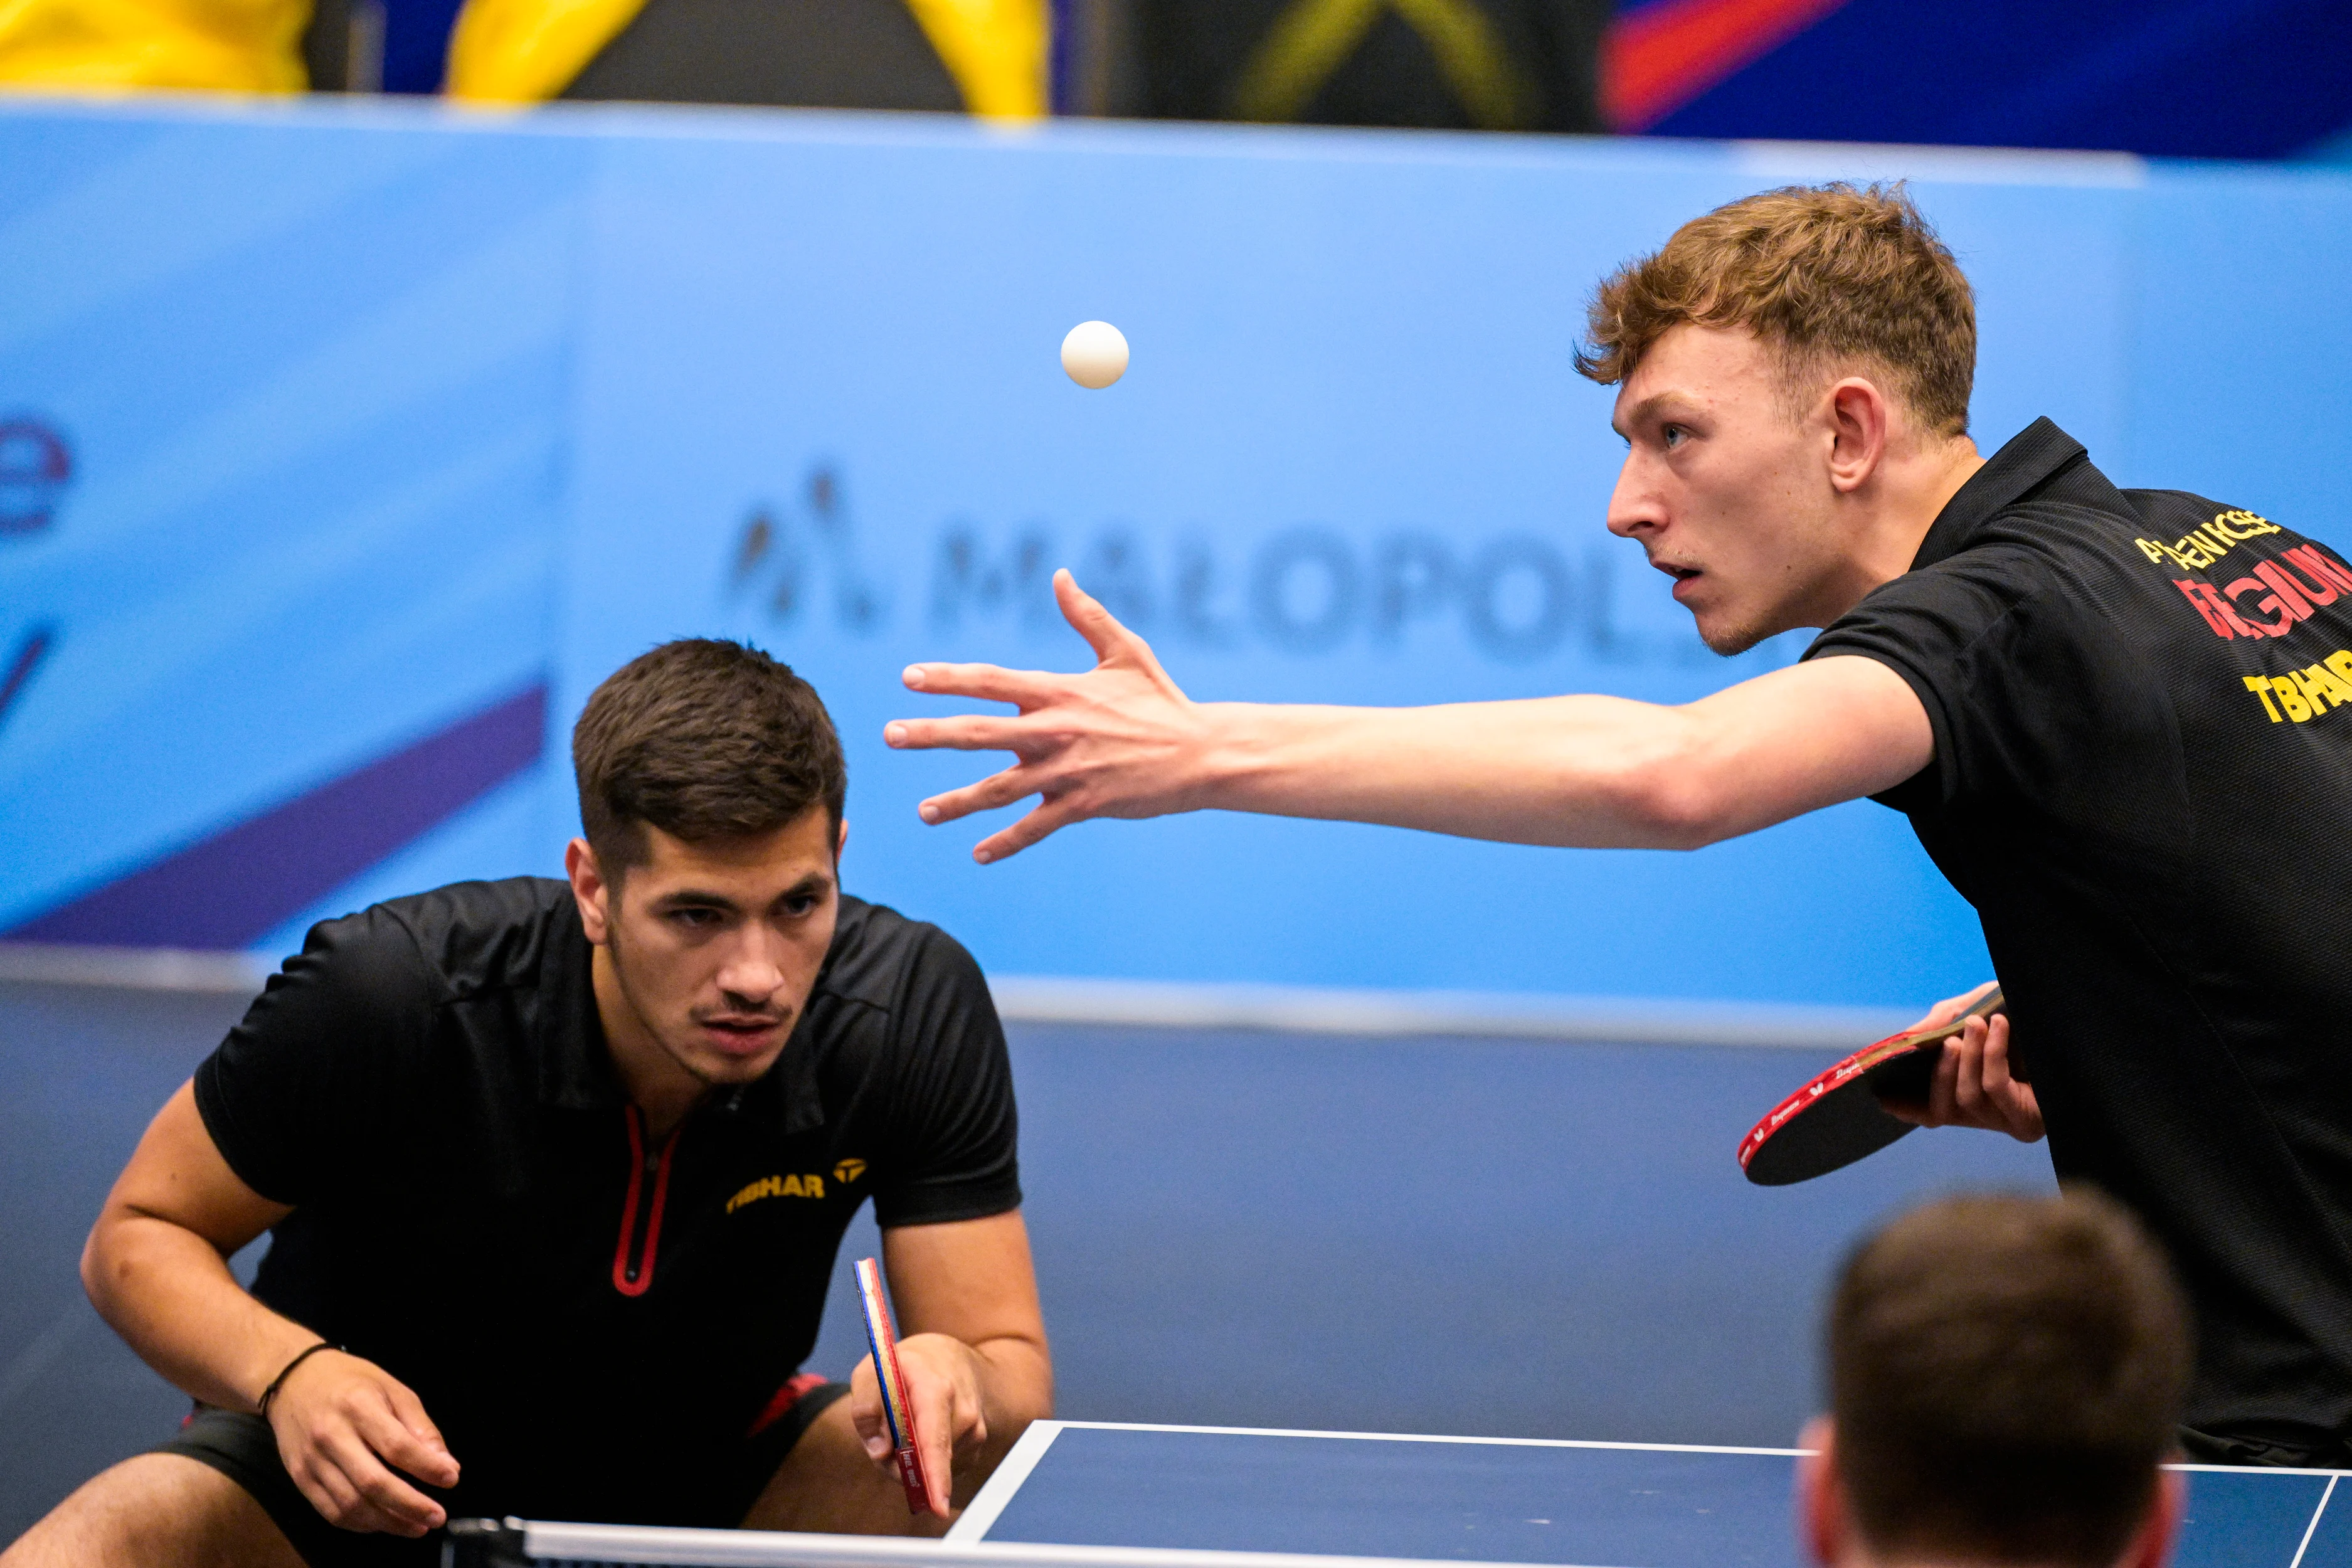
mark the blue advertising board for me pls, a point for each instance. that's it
(297, 389)
(387, 436)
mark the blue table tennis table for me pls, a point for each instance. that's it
(1084, 1494)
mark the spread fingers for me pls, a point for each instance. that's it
(1044, 820)
(996, 790)
(988, 682)
(964, 732)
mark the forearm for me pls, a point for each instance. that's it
(1122, 740)
(170, 1294)
(1016, 1387)
(1600, 772)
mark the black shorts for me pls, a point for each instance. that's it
(245, 1449)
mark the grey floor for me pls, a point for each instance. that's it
(1506, 1238)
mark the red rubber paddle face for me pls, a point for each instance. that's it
(1839, 1117)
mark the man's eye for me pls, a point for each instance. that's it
(695, 920)
(1673, 436)
(801, 904)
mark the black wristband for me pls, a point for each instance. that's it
(286, 1371)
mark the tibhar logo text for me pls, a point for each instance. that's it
(810, 1187)
(1310, 590)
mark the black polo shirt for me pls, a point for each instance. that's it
(597, 1324)
(2143, 781)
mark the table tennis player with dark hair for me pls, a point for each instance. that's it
(2112, 716)
(2004, 1378)
(558, 1174)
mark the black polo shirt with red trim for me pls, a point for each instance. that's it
(2143, 781)
(597, 1324)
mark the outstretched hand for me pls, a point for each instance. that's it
(1973, 1086)
(1119, 740)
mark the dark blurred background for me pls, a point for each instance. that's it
(2201, 78)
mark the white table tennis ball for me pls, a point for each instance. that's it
(1095, 354)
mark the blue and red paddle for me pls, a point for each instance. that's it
(897, 1408)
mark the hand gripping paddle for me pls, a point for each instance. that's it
(1839, 1118)
(898, 1406)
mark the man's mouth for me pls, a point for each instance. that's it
(740, 1033)
(1683, 575)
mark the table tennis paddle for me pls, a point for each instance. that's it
(897, 1408)
(1840, 1117)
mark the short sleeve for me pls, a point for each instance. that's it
(298, 1094)
(955, 1131)
(1953, 631)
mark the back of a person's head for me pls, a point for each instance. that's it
(1834, 279)
(2005, 1377)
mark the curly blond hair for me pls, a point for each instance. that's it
(1831, 278)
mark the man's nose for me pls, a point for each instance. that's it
(1631, 508)
(753, 972)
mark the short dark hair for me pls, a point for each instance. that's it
(1830, 278)
(703, 739)
(2006, 1373)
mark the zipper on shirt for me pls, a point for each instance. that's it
(632, 1259)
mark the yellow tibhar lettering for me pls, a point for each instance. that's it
(766, 1186)
(778, 1187)
(2321, 688)
(2306, 693)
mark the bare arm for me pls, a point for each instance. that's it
(156, 1268)
(156, 1265)
(1121, 740)
(973, 1352)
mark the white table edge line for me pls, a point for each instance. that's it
(2313, 1528)
(1011, 1474)
(764, 1549)
(1430, 1438)
(2253, 1470)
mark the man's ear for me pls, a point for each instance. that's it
(1858, 418)
(841, 842)
(589, 889)
(1821, 1522)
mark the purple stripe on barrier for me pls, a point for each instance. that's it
(229, 889)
